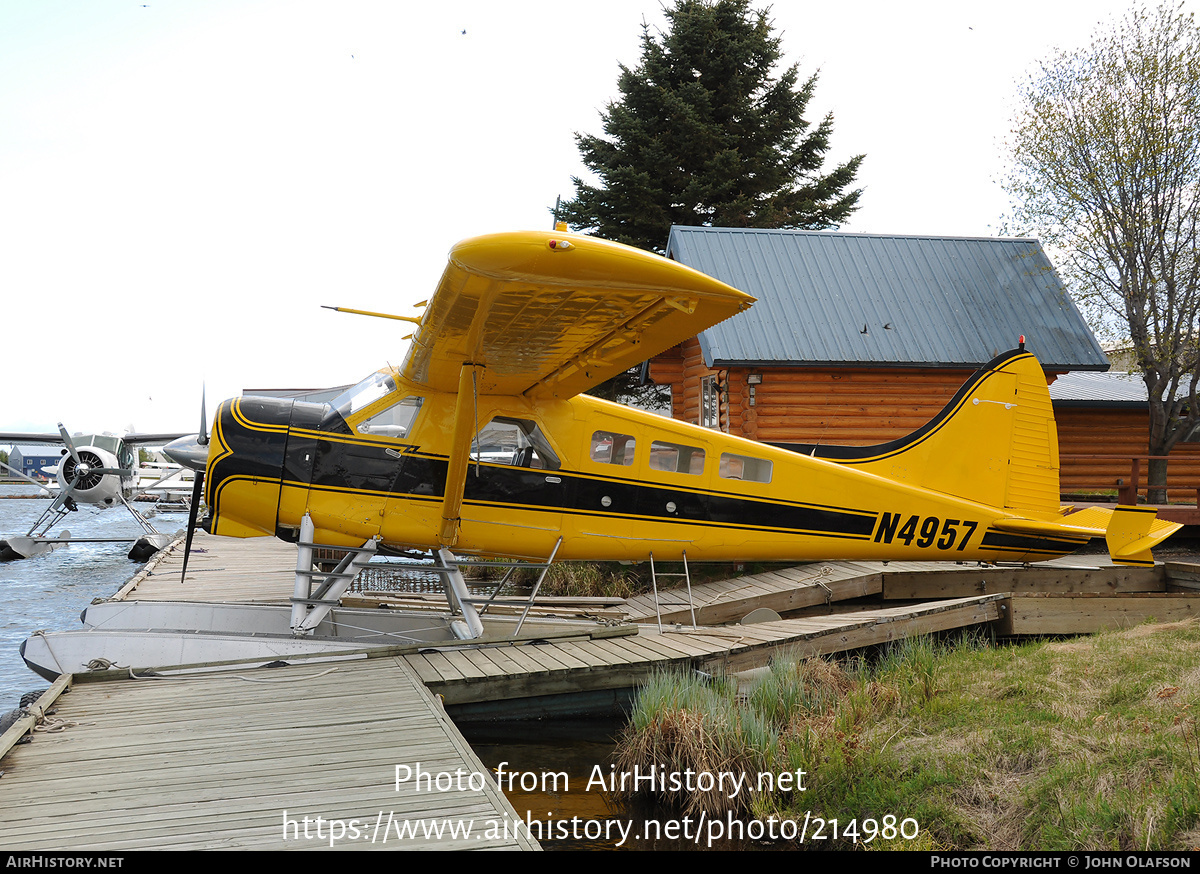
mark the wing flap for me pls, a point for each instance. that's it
(554, 314)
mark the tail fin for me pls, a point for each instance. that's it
(995, 443)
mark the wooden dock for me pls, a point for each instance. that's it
(300, 757)
(240, 759)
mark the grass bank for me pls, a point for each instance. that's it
(610, 579)
(1087, 743)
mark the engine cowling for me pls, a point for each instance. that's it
(89, 485)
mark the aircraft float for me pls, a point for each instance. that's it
(483, 443)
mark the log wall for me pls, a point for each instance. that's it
(1086, 431)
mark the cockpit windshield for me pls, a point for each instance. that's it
(364, 394)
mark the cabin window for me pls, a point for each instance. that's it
(515, 442)
(395, 421)
(361, 396)
(744, 467)
(676, 458)
(710, 411)
(611, 448)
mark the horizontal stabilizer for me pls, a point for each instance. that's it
(1132, 532)
(1069, 527)
(1129, 532)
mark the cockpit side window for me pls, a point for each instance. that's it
(394, 421)
(516, 442)
(361, 396)
(744, 467)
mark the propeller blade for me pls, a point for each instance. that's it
(202, 436)
(123, 472)
(193, 513)
(69, 443)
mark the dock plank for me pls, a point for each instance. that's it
(234, 776)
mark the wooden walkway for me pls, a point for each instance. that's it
(541, 680)
(501, 676)
(782, 590)
(256, 570)
(249, 761)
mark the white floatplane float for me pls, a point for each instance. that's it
(164, 636)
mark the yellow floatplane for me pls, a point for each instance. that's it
(483, 443)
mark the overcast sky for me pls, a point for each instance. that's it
(184, 183)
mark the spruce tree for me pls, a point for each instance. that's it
(705, 134)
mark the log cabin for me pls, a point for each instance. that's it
(1102, 422)
(858, 339)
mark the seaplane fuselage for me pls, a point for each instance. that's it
(613, 482)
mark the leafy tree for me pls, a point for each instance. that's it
(1106, 167)
(703, 134)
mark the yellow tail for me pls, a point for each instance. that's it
(994, 443)
(1129, 532)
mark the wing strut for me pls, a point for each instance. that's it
(460, 453)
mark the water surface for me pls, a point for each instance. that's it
(47, 593)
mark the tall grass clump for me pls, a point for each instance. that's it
(580, 579)
(687, 722)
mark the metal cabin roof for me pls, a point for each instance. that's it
(875, 300)
(1109, 390)
(36, 450)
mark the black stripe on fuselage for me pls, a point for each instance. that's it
(582, 495)
(1006, 542)
(339, 463)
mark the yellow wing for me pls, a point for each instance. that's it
(552, 314)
